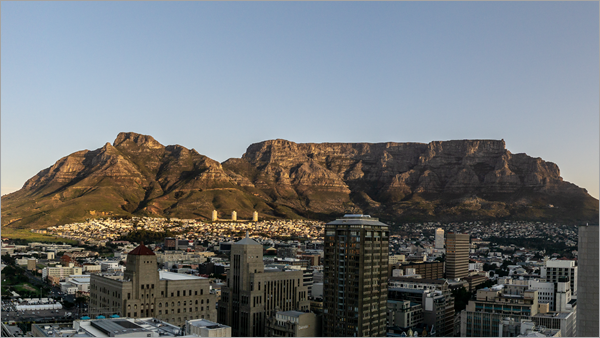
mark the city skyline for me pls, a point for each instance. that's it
(77, 74)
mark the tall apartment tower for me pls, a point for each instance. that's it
(253, 294)
(457, 255)
(355, 277)
(439, 238)
(587, 282)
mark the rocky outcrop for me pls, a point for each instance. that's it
(442, 180)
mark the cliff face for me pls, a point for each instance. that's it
(442, 180)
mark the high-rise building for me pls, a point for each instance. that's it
(355, 277)
(253, 293)
(439, 238)
(587, 282)
(457, 255)
(146, 292)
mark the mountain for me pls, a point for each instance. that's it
(442, 180)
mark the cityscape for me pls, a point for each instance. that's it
(300, 169)
(354, 276)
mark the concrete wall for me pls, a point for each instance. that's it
(587, 282)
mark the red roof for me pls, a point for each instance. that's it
(142, 250)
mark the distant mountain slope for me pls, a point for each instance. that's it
(442, 180)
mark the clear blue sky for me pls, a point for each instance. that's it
(217, 77)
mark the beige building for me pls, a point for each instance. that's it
(253, 294)
(61, 272)
(146, 292)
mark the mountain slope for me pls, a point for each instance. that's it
(442, 180)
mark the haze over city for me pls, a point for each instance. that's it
(217, 77)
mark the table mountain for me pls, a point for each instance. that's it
(442, 180)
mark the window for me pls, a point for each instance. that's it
(177, 293)
(178, 310)
(153, 286)
(202, 301)
(184, 293)
(201, 291)
(128, 295)
(160, 312)
(196, 293)
(142, 286)
(196, 302)
(171, 294)
(202, 308)
(208, 301)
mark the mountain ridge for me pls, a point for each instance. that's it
(441, 180)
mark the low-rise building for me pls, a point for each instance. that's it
(206, 328)
(293, 324)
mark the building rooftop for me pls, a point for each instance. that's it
(166, 275)
(291, 313)
(352, 219)
(247, 241)
(142, 250)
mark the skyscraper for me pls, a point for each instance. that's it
(355, 277)
(439, 238)
(457, 255)
(587, 282)
(252, 293)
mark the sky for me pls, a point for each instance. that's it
(219, 76)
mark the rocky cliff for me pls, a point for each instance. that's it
(442, 180)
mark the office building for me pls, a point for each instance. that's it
(483, 316)
(427, 270)
(457, 255)
(253, 293)
(556, 268)
(355, 277)
(439, 238)
(206, 328)
(144, 291)
(61, 272)
(587, 282)
(435, 298)
(294, 324)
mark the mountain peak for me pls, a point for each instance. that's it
(126, 138)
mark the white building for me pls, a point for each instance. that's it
(439, 238)
(555, 269)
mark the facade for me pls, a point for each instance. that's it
(435, 297)
(355, 277)
(61, 272)
(587, 300)
(483, 316)
(439, 238)
(146, 292)
(555, 269)
(457, 255)
(427, 270)
(404, 313)
(253, 294)
(565, 321)
(206, 328)
(294, 324)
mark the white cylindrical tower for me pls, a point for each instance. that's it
(255, 216)
(214, 215)
(234, 216)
